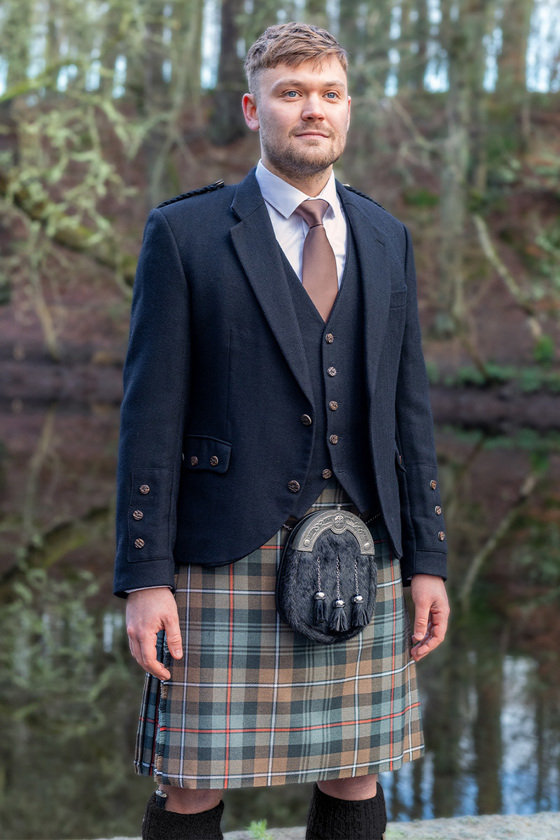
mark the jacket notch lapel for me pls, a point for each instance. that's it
(259, 254)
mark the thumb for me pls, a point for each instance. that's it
(173, 636)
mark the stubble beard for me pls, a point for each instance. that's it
(291, 162)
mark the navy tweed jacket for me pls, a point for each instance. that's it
(216, 381)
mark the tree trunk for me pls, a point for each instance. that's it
(227, 122)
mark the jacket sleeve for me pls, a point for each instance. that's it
(423, 529)
(156, 381)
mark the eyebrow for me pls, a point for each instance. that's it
(298, 83)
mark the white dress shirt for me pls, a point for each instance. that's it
(290, 230)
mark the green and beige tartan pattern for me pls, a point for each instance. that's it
(252, 703)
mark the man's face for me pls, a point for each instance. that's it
(302, 114)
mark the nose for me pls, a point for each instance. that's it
(313, 109)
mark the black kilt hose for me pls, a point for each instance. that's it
(252, 703)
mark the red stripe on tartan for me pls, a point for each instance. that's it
(229, 731)
(391, 744)
(156, 725)
(230, 669)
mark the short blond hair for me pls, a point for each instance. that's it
(292, 44)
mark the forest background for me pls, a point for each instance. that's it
(108, 108)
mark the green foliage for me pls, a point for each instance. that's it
(527, 379)
(420, 198)
(257, 830)
(543, 350)
(49, 640)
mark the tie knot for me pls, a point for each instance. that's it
(312, 211)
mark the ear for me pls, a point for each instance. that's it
(349, 104)
(249, 104)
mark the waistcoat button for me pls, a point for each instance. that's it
(333, 439)
(331, 371)
(329, 338)
(333, 405)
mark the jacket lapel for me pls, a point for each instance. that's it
(376, 281)
(259, 253)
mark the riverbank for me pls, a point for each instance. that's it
(544, 826)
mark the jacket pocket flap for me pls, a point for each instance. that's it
(207, 453)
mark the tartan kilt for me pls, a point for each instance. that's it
(253, 704)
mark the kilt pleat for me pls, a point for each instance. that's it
(252, 703)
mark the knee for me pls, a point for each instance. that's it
(356, 788)
(188, 801)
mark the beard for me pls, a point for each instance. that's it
(306, 161)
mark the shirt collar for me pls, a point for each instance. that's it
(285, 198)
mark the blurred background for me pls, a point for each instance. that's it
(107, 108)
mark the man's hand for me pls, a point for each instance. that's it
(147, 612)
(431, 611)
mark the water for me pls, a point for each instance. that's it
(71, 691)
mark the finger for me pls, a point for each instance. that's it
(149, 661)
(421, 623)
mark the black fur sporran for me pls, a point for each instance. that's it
(327, 580)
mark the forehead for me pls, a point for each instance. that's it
(328, 71)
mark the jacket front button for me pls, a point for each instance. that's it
(214, 461)
(139, 543)
(194, 461)
(333, 405)
(293, 486)
(144, 489)
(333, 439)
(331, 371)
(306, 420)
(441, 536)
(326, 473)
(138, 515)
(433, 484)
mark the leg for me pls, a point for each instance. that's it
(344, 808)
(181, 814)
(357, 788)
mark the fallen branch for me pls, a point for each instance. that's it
(493, 541)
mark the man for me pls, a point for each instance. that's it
(251, 398)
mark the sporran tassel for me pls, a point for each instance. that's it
(339, 619)
(319, 610)
(359, 614)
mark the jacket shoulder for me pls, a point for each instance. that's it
(364, 195)
(216, 185)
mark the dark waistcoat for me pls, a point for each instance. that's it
(335, 357)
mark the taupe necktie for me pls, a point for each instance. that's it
(319, 273)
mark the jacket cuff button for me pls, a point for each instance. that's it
(194, 461)
(138, 515)
(139, 543)
(433, 484)
(441, 536)
(214, 461)
(438, 510)
(144, 489)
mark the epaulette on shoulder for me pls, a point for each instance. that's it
(363, 195)
(210, 188)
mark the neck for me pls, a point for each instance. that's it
(311, 185)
